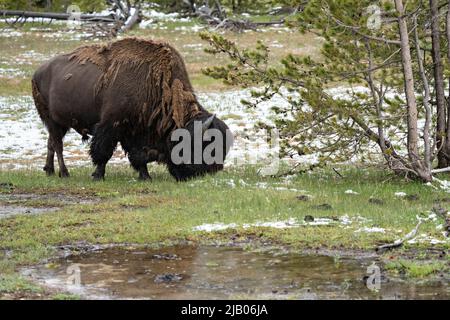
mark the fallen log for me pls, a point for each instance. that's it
(57, 16)
(129, 24)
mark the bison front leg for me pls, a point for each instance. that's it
(137, 154)
(138, 160)
(102, 148)
(143, 173)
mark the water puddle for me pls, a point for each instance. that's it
(222, 273)
(61, 198)
(13, 204)
(11, 211)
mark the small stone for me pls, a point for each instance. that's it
(412, 197)
(376, 201)
(303, 198)
(166, 256)
(167, 278)
(324, 206)
(309, 219)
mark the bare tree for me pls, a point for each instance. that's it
(441, 131)
(417, 165)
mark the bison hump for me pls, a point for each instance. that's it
(158, 74)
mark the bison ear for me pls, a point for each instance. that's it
(208, 122)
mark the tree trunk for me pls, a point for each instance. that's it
(442, 131)
(426, 100)
(413, 136)
(448, 58)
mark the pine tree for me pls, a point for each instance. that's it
(383, 54)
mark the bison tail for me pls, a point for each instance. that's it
(41, 104)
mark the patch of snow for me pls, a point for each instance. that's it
(344, 221)
(351, 192)
(371, 230)
(400, 194)
(424, 238)
(231, 183)
(214, 227)
(290, 223)
(443, 184)
(11, 73)
(243, 183)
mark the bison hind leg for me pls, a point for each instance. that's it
(102, 148)
(55, 144)
(50, 163)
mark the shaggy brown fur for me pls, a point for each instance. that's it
(164, 90)
(134, 92)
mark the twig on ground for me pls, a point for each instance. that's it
(398, 243)
(338, 173)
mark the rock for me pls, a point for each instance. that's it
(442, 200)
(412, 197)
(303, 198)
(376, 201)
(324, 206)
(309, 219)
(168, 277)
(166, 256)
(6, 186)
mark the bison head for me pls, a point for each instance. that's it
(199, 148)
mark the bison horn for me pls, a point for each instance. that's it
(208, 122)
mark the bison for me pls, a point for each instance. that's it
(133, 91)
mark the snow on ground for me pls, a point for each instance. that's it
(71, 33)
(23, 138)
(12, 73)
(343, 222)
(358, 224)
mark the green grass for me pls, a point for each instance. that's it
(416, 269)
(16, 50)
(12, 283)
(166, 211)
(64, 296)
(163, 212)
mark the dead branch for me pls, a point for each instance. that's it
(398, 243)
(55, 15)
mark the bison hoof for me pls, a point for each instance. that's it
(145, 178)
(64, 174)
(49, 171)
(97, 177)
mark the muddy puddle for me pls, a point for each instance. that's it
(14, 204)
(222, 273)
(11, 211)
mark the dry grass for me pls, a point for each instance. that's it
(36, 44)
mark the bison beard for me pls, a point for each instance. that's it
(132, 91)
